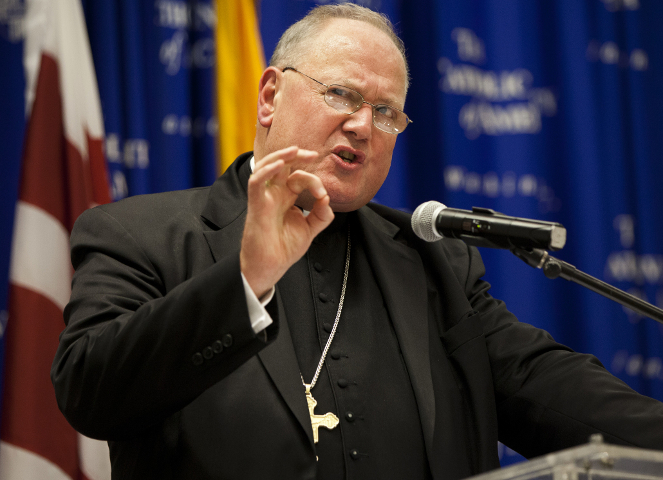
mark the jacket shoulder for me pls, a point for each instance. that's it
(153, 211)
(450, 248)
(157, 204)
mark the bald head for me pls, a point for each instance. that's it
(300, 39)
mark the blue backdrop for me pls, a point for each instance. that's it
(543, 109)
(155, 64)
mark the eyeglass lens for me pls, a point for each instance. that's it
(348, 101)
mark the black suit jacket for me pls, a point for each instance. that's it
(158, 356)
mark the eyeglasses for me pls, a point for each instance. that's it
(345, 100)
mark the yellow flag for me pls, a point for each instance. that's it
(240, 62)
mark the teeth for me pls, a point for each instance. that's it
(347, 156)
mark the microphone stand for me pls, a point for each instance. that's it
(553, 268)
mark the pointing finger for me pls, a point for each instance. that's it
(288, 155)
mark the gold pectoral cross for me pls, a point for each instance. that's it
(328, 420)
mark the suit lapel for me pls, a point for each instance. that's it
(225, 214)
(225, 211)
(278, 358)
(401, 277)
(280, 361)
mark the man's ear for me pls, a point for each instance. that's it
(267, 96)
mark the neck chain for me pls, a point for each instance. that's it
(328, 420)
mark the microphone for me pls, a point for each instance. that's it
(483, 227)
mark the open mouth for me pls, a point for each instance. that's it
(346, 156)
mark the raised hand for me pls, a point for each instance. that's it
(277, 233)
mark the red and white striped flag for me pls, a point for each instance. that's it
(63, 173)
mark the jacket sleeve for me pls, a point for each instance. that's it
(549, 397)
(147, 328)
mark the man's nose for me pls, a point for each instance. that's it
(360, 122)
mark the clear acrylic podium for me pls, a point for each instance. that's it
(594, 461)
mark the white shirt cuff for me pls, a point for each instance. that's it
(258, 315)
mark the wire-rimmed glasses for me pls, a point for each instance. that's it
(348, 101)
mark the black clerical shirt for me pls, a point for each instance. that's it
(364, 380)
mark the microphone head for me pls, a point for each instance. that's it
(423, 220)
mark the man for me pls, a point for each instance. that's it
(377, 355)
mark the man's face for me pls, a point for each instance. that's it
(359, 56)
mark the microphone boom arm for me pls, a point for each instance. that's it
(553, 268)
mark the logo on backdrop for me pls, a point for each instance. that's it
(609, 53)
(616, 5)
(174, 124)
(132, 153)
(178, 51)
(502, 102)
(11, 20)
(493, 185)
(636, 365)
(641, 270)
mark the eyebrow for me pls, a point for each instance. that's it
(378, 101)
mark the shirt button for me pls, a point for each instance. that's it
(354, 454)
(217, 346)
(323, 297)
(327, 327)
(227, 340)
(342, 382)
(208, 353)
(335, 355)
(197, 359)
(317, 266)
(350, 417)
